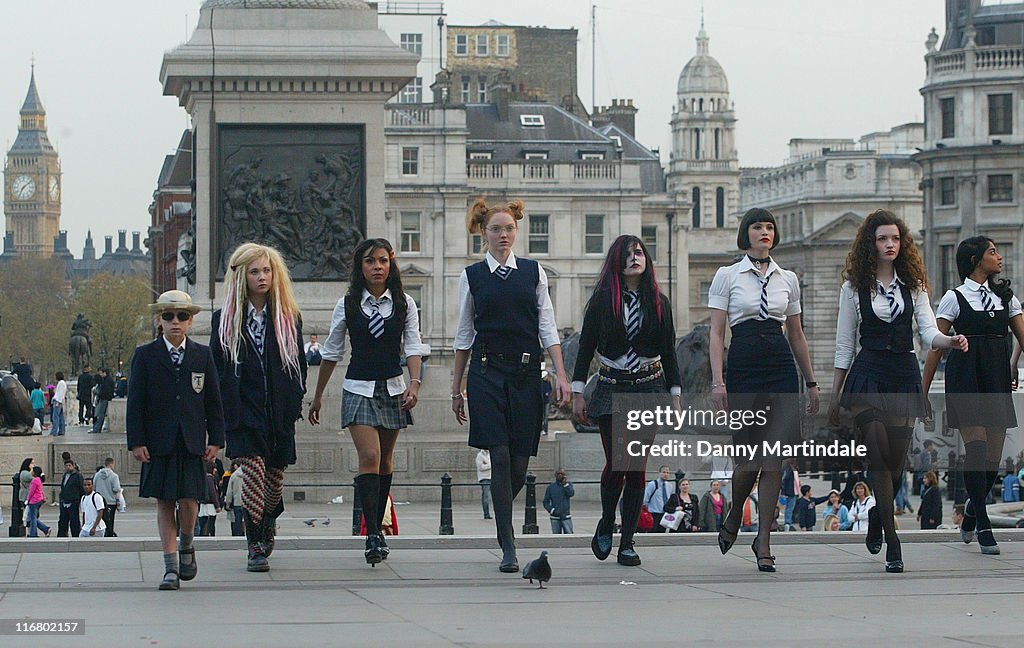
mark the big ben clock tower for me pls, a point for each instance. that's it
(32, 182)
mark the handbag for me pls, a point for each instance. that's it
(671, 520)
(646, 521)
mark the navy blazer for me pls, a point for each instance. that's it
(261, 399)
(163, 399)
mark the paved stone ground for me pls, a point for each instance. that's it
(448, 592)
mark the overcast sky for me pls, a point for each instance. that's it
(796, 68)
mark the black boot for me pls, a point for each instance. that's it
(372, 553)
(601, 544)
(257, 561)
(270, 527)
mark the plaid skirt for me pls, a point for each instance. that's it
(383, 411)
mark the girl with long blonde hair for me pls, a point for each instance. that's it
(257, 347)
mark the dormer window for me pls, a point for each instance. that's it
(535, 155)
(584, 155)
(536, 121)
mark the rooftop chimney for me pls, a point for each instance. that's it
(135, 243)
(108, 245)
(122, 242)
(88, 252)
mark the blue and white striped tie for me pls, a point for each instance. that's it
(376, 321)
(503, 272)
(176, 357)
(257, 329)
(986, 301)
(632, 300)
(762, 312)
(894, 307)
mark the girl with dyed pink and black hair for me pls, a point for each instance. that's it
(628, 324)
(257, 347)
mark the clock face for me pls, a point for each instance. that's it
(24, 187)
(54, 189)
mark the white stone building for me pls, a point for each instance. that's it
(420, 28)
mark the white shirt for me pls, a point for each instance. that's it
(736, 289)
(333, 348)
(60, 391)
(949, 305)
(465, 333)
(849, 319)
(312, 346)
(859, 513)
(171, 347)
(92, 507)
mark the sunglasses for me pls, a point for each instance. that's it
(183, 316)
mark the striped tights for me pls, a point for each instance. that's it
(261, 486)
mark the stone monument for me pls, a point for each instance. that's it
(287, 105)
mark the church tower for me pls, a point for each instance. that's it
(704, 166)
(32, 182)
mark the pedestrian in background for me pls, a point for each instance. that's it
(104, 394)
(71, 491)
(556, 503)
(35, 501)
(483, 476)
(60, 395)
(107, 483)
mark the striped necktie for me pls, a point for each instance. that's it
(986, 301)
(632, 301)
(894, 307)
(257, 327)
(376, 321)
(503, 272)
(762, 311)
(176, 357)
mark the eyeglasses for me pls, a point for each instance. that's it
(498, 229)
(183, 316)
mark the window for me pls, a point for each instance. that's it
(696, 143)
(531, 120)
(720, 207)
(476, 243)
(1000, 188)
(412, 92)
(480, 155)
(649, 235)
(481, 89)
(461, 45)
(947, 191)
(718, 144)
(503, 46)
(594, 234)
(946, 107)
(535, 155)
(465, 89)
(696, 207)
(416, 292)
(948, 268)
(409, 235)
(538, 234)
(412, 43)
(705, 292)
(410, 160)
(481, 44)
(591, 156)
(617, 139)
(1006, 249)
(1000, 114)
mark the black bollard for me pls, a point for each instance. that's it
(17, 528)
(446, 528)
(530, 523)
(357, 510)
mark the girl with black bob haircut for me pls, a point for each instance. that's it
(755, 298)
(628, 323)
(885, 292)
(380, 318)
(978, 382)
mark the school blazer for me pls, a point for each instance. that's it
(163, 399)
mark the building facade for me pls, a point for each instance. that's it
(420, 28)
(171, 218)
(819, 197)
(972, 158)
(32, 182)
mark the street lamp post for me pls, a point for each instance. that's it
(119, 350)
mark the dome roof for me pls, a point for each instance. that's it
(285, 4)
(702, 74)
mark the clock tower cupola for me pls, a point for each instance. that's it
(32, 181)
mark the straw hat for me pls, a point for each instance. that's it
(173, 300)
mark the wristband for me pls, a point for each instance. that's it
(714, 385)
(811, 384)
(416, 380)
(454, 396)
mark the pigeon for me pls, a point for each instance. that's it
(538, 569)
(327, 522)
(310, 523)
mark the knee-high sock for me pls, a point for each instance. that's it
(275, 489)
(254, 484)
(632, 501)
(384, 490)
(976, 481)
(368, 485)
(501, 495)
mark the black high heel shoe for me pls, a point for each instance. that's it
(725, 545)
(766, 567)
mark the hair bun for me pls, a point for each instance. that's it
(515, 209)
(476, 216)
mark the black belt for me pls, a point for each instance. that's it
(996, 336)
(525, 359)
(646, 374)
(757, 327)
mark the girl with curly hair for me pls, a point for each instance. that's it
(256, 341)
(978, 393)
(755, 298)
(506, 320)
(885, 291)
(628, 324)
(380, 318)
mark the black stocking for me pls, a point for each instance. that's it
(501, 497)
(768, 489)
(611, 480)
(520, 466)
(743, 478)
(632, 501)
(876, 437)
(976, 482)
